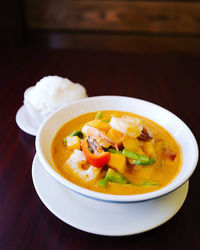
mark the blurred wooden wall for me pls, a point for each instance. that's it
(136, 26)
(12, 24)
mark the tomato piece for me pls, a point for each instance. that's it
(167, 154)
(99, 160)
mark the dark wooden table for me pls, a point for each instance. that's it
(170, 81)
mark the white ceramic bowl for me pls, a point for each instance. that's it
(177, 128)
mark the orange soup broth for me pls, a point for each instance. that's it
(162, 172)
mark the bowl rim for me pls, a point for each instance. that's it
(113, 197)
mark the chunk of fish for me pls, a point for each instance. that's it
(75, 166)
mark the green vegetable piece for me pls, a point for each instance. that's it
(150, 162)
(98, 115)
(65, 140)
(114, 176)
(150, 184)
(77, 133)
(137, 158)
(103, 182)
(111, 150)
(106, 120)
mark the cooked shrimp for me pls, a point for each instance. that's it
(90, 174)
(99, 136)
(76, 160)
(133, 120)
(127, 125)
(75, 166)
(94, 145)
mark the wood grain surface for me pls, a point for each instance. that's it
(170, 81)
(116, 25)
(151, 16)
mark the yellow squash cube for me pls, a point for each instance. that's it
(118, 162)
(140, 151)
(73, 142)
(99, 124)
(148, 148)
(131, 143)
(133, 131)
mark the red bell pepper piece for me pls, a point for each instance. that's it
(99, 160)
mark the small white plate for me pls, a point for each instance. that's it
(25, 122)
(104, 218)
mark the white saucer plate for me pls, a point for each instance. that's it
(104, 218)
(25, 122)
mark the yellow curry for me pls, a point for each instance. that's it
(116, 152)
